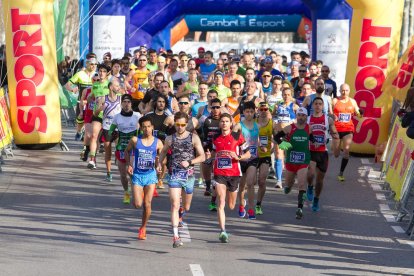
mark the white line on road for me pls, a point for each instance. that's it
(384, 207)
(196, 270)
(184, 233)
(389, 218)
(398, 229)
(376, 187)
(380, 197)
(410, 243)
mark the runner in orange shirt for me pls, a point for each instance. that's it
(344, 108)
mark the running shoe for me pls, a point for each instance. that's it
(242, 211)
(207, 192)
(309, 193)
(278, 185)
(177, 242)
(212, 206)
(259, 210)
(108, 177)
(142, 234)
(341, 178)
(287, 190)
(315, 206)
(85, 155)
(299, 213)
(91, 165)
(251, 214)
(160, 184)
(127, 197)
(224, 237)
(78, 136)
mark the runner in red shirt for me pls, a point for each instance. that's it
(228, 149)
(319, 124)
(344, 109)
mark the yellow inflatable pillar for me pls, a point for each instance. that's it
(373, 53)
(32, 73)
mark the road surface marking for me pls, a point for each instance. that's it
(389, 218)
(384, 207)
(184, 233)
(398, 229)
(380, 196)
(196, 270)
(365, 161)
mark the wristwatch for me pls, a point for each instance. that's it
(239, 156)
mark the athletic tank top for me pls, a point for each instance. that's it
(299, 153)
(252, 138)
(223, 164)
(110, 110)
(319, 128)
(194, 90)
(197, 104)
(145, 157)
(344, 112)
(100, 89)
(232, 105)
(242, 103)
(265, 139)
(285, 114)
(325, 104)
(182, 150)
(158, 122)
(267, 90)
(274, 100)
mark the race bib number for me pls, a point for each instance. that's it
(344, 117)
(179, 174)
(224, 163)
(107, 122)
(297, 157)
(253, 151)
(319, 139)
(263, 141)
(145, 164)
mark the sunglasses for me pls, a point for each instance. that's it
(215, 107)
(180, 125)
(267, 76)
(183, 103)
(302, 71)
(263, 109)
(325, 71)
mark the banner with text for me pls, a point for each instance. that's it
(243, 23)
(108, 35)
(398, 158)
(333, 41)
(32, 72)
(373, 53)
(6, 135)
(399, 80)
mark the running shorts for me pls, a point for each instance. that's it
(144, 179)
(294, 168)
(232, 182)
(321, 158)
(246, 164)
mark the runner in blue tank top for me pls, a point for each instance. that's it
(250, 131)
(142, 171)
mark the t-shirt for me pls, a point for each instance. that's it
(206, 70)
(127, 128)
(152, 67)
(224, 164)
(222, 91)
(158, 122)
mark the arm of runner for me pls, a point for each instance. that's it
(330, 111)
(358, 111)
(131, 145)
(159, 149)
(199, 152)
(195, 124)
(82, 102)
(99, 103)
(163, 153)
(244, 147)
(332, 129)
(112, 127)
(305, 102)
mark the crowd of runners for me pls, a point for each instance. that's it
(240, 119)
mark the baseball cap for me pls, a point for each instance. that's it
(201, 49)
(161, 59)
(92, 61)
(302, 110)
(235, 58)
(219, 73)
(268, 59)
(126, 97)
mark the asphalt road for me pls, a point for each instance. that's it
(59, 218)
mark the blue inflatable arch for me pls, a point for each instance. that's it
(146, 19)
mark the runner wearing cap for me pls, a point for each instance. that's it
(285, 115)
(319, 124)
(229, 148)
(201, 52)
(297, 160)
(186, 151)
(142, 172)
(344, 108)
(127, 124)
